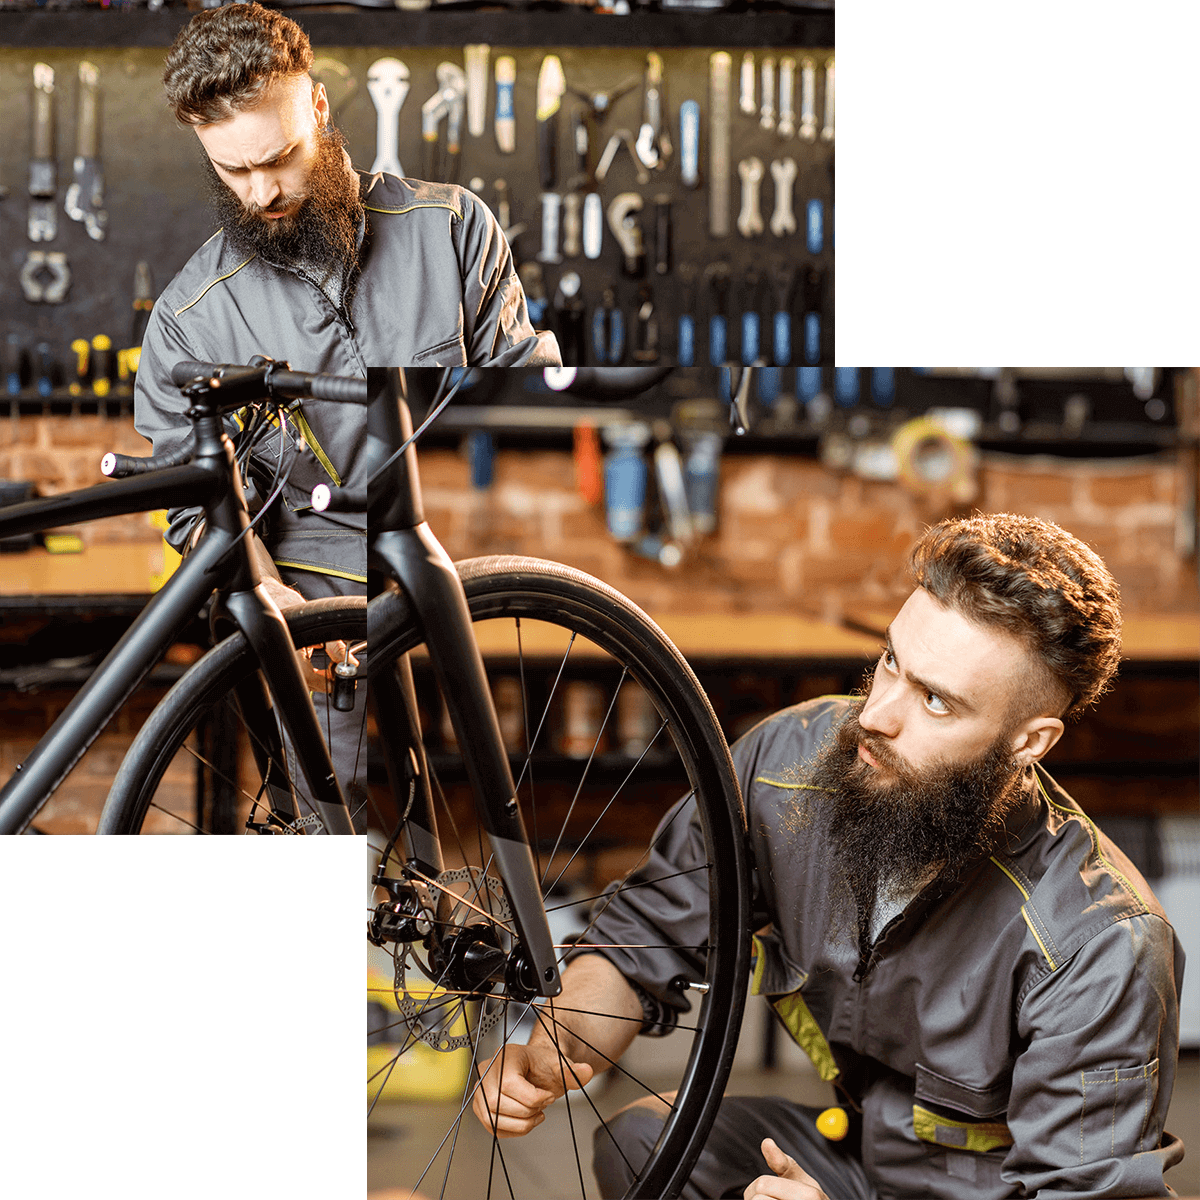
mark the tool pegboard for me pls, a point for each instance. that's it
(158, 212)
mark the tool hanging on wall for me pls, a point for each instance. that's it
(43, 160)
(808, 99)
(827, 128)
(475, 60)
(533, 281)
(716, 275)
(783, 220)
(622, 137)
(685, 350)
(750, 222)
(387, 83)
(689, 143)
(746, 83)
(85, 195)
(628, 231)
(447, 103)
(589, 120)
(654, 137)
(569, 319)
(783, 285)
(720, 66)
(752, 298)
(815, 226)
(767, 119)
(572, 224)
(550, 87)
(504, 119)
(45, 277)
(662, 234)
(813, 287)
(646, 333)
(787, 86)
(593, 225)
(551, 208)
(608, 331)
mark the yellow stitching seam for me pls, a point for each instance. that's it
(1020, 887)
(205, 290)
(299, 566)
(1053, 964)
(413, 207)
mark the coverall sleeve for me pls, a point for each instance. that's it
(1090, 1093)
(497, 330)
(158, 405)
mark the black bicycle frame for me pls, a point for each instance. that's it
(402, 547)
(222, 561)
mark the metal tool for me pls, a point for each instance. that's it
(717, 277)
(551, 210)
(646, 332)
(815, 225)
(750, 222)
(827, 128)
(787, 88)
(43, 162)
(387, 83)
(572, 224)
(569, 320)
(689, 143)
(533, 281)
(813, 288)
(746, 88)
(808, 99)
(45, 277)
(720, 68)
(783, 172)
(449, 103)
(475, 59)
(143, 301)
(593, 225)
(654, 137)
(662, 234)
(550, 87)
(767, 119)
(623, 137)
(628, 232)
(588, 120)
(85, 195)
(504, 119)
(608, 331)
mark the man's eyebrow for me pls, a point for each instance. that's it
(264, 162)
(954, 700)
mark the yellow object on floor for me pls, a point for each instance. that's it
(421, 1072)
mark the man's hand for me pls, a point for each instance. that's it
(789, 1182)
(533, 1080)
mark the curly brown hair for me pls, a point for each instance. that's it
(1038, 582)
(224, 59)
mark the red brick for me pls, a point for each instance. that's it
(1132, 487)
(1007, 489)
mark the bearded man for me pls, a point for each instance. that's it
(317, 265)
(983, 976)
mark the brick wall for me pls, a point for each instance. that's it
(795, 536)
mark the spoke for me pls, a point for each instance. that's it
(562, 1069)
(562, 666)
(177, 817)
(493, 1120)
(461, 900)
(537, 854)
(629, 888)
(458, 1119)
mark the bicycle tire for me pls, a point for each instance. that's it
(203, 693)
(544, 593)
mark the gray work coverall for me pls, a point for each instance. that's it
(1016, 1030)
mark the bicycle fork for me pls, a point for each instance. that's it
(415, 559)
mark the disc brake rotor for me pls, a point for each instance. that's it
(429, 1020)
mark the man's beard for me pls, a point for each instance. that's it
(323, 230)
(889, 836)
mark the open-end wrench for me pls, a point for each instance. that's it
(43, 163)
(654, 136)
(827, 128)
(45, 277)
(572, 225)
(475, 59)
(750, 222)
(787, 89)
(746, 84)
(387, 82)
(767, 120)
(783, 172)
(808, 99)
(85, 196)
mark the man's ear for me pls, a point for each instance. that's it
(1033, 739)
(320, 105)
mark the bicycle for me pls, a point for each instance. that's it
(459, 930)
(286, 782)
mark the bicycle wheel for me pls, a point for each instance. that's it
(212, 757)
(599, 799)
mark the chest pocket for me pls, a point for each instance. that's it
(959, 1116)
(449, 354)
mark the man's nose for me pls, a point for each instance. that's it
(263, 188)
(881, 712)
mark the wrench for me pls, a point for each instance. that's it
(476, 59)
(808, 99)
(783, 171)
(43, 165)
(572, 224)
(746, 84)
(750, 222)
(767, 121)
(387, 81)
(654, 138)
(720, 66)
(610, 152)
(45, 277)
(787, 113)
(827, 128)
(85, 196)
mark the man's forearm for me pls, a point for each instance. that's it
(596, 1016)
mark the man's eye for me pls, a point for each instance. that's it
(889, 660)
(935, 703)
